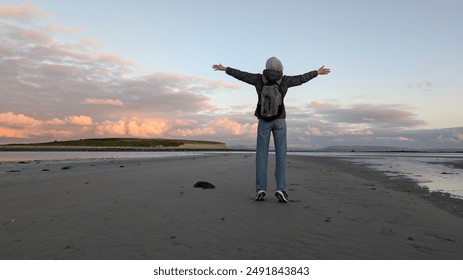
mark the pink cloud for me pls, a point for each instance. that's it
(202, 131)
(116, 59)
(146, 128)
(24, 11)
(357, 133)
(132, 127)
(90, 42)
(55, 121)
(61, 29)
(185, 122)
(37, 68)
(314, 131)
(99, 101)
(13, 133)
(317, 105)
(224, 127)
(23, 127)
(231, 126)
(117, 128)
(18, 120)
(80, 120)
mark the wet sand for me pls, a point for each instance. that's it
(149, 209)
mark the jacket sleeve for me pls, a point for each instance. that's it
(292, 81)
(246, 77)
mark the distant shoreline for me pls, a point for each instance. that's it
(163, 144)
(109, 149)
(187, 147)
(117, 144)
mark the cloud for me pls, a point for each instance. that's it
(146, 128)
(133, 127)
(47, 77)
(80, 120)
(61, 29)
(232, 127)
(369, 115)
(17, 120)
(117, 60)
(194, 83)
(396, 138)
(223, 129)
(426, 86)
(423, 86)
(358, 120)
(21, 126)
(23, 12)
(317, 105)
(203, 131)
(90, 42)
(112, 128)
(7, 132)
(327, 124)
(316, 132)
(99, 101)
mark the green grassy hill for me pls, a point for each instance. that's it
(125, 143)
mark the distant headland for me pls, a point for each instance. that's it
(118, 144)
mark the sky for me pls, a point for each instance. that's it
(119, 68)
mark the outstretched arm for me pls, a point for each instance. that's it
(240, 75)
(219, 67)
(298, 80)
(323, 71)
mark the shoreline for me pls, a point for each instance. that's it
(148, 209)
(204, 147)
(402, 183)
(187, 147)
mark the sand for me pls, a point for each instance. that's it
(148, 209)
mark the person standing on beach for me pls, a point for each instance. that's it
(271, 121)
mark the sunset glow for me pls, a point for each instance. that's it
(62, 77)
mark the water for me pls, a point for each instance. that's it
(39, 156)
(430, 170)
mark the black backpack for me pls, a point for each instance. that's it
(270, 105)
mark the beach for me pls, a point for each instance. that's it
(148, 208)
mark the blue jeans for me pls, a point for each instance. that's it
(264, 129)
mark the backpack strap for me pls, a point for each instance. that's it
(264, 79)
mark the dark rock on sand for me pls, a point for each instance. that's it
(204, 185)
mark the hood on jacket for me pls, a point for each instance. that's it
(274, 69)
(272, 75)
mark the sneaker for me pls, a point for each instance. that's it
(282, 196)
(260, 196)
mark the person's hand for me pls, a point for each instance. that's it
(218, 67)
(323, 71)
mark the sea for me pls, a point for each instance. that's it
(436, 171)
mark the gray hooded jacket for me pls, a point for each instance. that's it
(272, 76)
